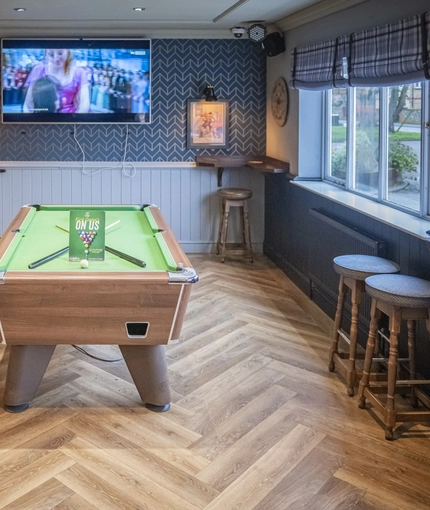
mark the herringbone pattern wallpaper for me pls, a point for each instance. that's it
(180, 70)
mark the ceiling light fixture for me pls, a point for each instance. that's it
(19, 9)
(138, 9)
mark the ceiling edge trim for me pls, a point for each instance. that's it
(82, 30)
(316, 11)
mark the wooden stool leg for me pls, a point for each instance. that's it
(375, 315)
(225, 230)
(247, 230)
(428, 321)
(337, 322)
(412, 360)
(221, 223)
(356, 293)
(242, 222)
(390, 408)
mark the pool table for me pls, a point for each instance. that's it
(113, 301)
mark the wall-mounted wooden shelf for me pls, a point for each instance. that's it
(261, 163)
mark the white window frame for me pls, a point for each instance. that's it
(382, 197)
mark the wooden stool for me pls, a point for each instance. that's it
(353, 270)
(234, 197)
(401, 298)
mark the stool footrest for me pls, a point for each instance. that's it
(378, 376)
(422, 397)
(405, 382)
(377, 402)
(343, 334)
(413, 416)
(380, 388)
(385, 360)
(341, 355)
(237, 251)
(410, 382)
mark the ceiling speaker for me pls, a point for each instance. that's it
(257, 32)
(273, 44)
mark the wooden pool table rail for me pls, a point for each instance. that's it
(75, 306)
(10, 232)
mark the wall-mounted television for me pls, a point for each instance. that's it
(76, 81)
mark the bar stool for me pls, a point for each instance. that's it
(401, 298)
(234, 197)
(353, 270)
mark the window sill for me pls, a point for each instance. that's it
(398, 219)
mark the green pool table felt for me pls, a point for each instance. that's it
(136, 234)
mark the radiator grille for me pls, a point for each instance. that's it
(329, 238)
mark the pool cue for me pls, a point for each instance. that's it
(109, 226)
(118, 253)
(125, 256)
(112, 224)
(47, 258)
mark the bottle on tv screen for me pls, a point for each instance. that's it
(76, 81)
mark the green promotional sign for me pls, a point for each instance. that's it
(87, 235)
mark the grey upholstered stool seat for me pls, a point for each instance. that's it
(360, 267)
(353, 270)
(234, 197)
(406, 298)
(400, 290)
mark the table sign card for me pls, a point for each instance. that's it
(87, 235)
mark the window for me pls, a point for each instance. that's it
(377, 143)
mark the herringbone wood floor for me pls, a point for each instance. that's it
(257, 421)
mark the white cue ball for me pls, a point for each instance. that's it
(84, 263)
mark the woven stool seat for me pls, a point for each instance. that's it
(401, 298)
(234, 198)
(235, 193)
(353, 271)
(399, 290)
(360, 267)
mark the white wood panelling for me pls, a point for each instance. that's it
(186, 194)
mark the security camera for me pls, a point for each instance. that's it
(238, 32)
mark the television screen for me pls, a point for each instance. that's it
(76, 81)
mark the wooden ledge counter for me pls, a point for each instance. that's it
(264, 164)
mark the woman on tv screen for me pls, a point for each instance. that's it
(76, 81)
(69, 80)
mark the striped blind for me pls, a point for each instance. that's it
(393, 54)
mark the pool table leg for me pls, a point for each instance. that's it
(148, 369)
(26, 368)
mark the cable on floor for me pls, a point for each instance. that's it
(83, 351)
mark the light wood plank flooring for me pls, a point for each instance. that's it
(257, 421)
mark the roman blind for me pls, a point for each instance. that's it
(392, 54)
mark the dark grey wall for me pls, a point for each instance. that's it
(288, 242)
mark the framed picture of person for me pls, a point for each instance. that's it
(207, 123)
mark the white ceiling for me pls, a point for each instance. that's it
(117, 17)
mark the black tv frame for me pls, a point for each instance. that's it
(76, 118)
